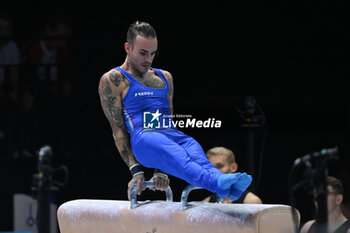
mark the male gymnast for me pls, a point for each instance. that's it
(128, 92)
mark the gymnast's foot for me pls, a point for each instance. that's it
(240, 186)
(225, 183)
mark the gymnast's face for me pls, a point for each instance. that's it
(141, 53)
(220, 162)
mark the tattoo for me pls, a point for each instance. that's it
(124, 153)
(115, 78)
(112, 100)
(104, 89)
(114, 114)
(118, 117)
(170, 96)
(154, 82)
(171, 90)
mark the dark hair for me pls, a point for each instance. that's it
(335, 184)
(142, 29)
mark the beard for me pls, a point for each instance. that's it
(138, 68)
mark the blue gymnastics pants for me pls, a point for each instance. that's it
(176, 154)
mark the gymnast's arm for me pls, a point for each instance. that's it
(110, 90)
(169, 78)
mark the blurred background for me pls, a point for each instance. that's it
(292, 58)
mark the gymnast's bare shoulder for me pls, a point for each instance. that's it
(114, 82)
(168, 76)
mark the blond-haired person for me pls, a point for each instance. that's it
(224, 159)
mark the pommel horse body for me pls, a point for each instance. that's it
(113, 216)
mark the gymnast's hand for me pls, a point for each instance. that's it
(161, 181)
(138, 180)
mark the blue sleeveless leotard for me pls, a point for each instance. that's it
(160, 145)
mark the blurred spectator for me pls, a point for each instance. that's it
(9, 81)
(343, 174)
(51, 54)
(224, 160)
(49, 68)
(9, 55)
(337, 222)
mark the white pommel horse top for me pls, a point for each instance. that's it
(113, 216)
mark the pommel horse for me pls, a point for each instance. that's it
(113, 216)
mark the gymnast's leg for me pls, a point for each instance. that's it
(193, 149)
(238, 182)
(156, 150)
(159, 150)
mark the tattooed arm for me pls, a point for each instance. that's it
(111, 87)
(110, 90)
(169, 78)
